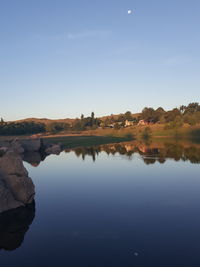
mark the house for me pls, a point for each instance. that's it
(128, 123)
(143, 122)
(112, 125)
(146, 122)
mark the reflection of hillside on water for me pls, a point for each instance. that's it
(150, 153)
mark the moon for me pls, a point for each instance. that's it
(130, 11)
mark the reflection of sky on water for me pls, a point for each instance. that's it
(101, 213)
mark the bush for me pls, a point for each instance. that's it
(175, 124)
(21, 128)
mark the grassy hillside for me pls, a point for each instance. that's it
(69, 120)
(44, 120)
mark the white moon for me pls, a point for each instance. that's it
(130, 12)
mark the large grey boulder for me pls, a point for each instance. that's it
(12, 144)
(30, 145)
(7, 200)
(17, 147)
(4, 143)
(16, 188)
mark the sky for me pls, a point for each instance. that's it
(62, 58)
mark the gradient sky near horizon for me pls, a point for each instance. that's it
(62, 58)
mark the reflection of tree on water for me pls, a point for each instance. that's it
(90, 151)
(14, 224)
(148, 152)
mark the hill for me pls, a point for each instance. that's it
(70, 120)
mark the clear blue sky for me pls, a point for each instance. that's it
(61, 58)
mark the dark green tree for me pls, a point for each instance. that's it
(128, 115)
(2, 121)
(172, 114)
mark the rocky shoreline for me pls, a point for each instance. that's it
(17, 191)
(16, 187)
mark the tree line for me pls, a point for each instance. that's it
(174, 118)
(21, 128)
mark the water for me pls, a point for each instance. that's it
(116, 205)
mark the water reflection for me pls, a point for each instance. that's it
(150, 152)
(14, 224)
(111, 213)
(34, 158)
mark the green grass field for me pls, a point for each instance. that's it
(80, 141)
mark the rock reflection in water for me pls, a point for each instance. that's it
(14, 224)
(34, 158)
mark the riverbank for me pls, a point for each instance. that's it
(155, 130)
(105, 136)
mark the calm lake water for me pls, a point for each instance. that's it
(116, 205)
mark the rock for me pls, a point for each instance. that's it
(17, 147)
(17, 206)
(3, 150)
(16, 188)
(11, 164)
(4, 143)
(53, 149)
(7, 200)
(13, 145)
(30, 145)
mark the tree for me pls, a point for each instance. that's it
(160, 110)
(192, 118)
(192, 108)
(159, 115)
(172, 114)
(128, 115)
(2, 121)
(117, 126)
(21, 128)
(182, 109)
(149, 114)
(121, 118)
(54, 127)
(175, 124)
